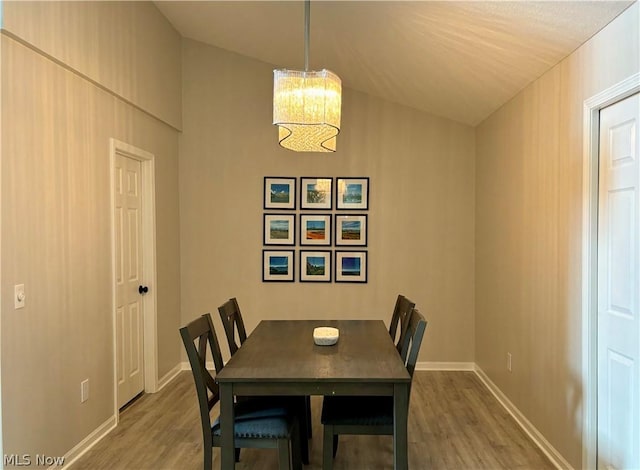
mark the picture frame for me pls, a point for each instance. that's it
(350, 266)
(315, 266)
(279, 193)
(316, 193)
(279, 229)
(278, 265)
(351, 229)
(315, 229)
(352, 193)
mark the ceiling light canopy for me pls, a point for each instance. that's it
(306, 104)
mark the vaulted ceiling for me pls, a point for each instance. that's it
(455, 59)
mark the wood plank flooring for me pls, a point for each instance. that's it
(454, 423)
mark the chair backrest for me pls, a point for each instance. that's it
(416, 325)
(200, 332)
(399, 318)
(232, 321)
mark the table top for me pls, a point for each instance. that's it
(281, 351)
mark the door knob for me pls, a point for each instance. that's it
(143, 289)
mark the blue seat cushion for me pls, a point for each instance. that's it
(358, 411)
(254, 420)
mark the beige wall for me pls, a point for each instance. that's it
(528, 234)
(126, 47)
(56, 127)
(421, 216)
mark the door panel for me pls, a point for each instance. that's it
(619, 287)
(120, 345)
(134, 340)
(621, 275)
(129, 318)
(619, 425)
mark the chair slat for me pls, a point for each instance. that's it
(232, 321)
(399, 318)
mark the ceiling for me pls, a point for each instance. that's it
(455, 59)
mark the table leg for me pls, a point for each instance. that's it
(400, 415)
(304, 411)
(227, 447)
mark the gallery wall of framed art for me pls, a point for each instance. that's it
(315, 213)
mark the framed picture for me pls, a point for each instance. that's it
(315, 229)
(352, 193)
(351, 230)
(316, 193)
(279, 229)
(351, 266)
(277, 266)
(279, 193)
(315, 266)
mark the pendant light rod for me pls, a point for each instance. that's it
(307, 22)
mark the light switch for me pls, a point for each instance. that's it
(19, 296)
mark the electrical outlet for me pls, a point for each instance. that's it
(84, 391)
(509, 361)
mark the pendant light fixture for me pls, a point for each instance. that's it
(306, 104)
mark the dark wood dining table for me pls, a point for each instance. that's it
(280, 358)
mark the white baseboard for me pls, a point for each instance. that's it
(445, 366)
(88, 442)
(169, 376)
(556, 458)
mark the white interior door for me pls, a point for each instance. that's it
(129, 277)
(619, 287)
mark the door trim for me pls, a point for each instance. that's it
(591, 121)
(150, 329)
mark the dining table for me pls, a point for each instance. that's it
(280, 358)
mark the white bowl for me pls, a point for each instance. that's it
(325, 335)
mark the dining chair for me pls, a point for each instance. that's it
(232, 322)
(367, 415)
(234, 329)
(256, 425)
(399, 319)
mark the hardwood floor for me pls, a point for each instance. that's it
(454, 423)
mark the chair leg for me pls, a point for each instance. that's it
(327, 444)
(296, 454)
(237, 454)
(208, 458)
(303, 411)
(284, 456)
(335, 445)
(307, 403)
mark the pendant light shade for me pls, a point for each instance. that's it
(306, 104)
(306, 109)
